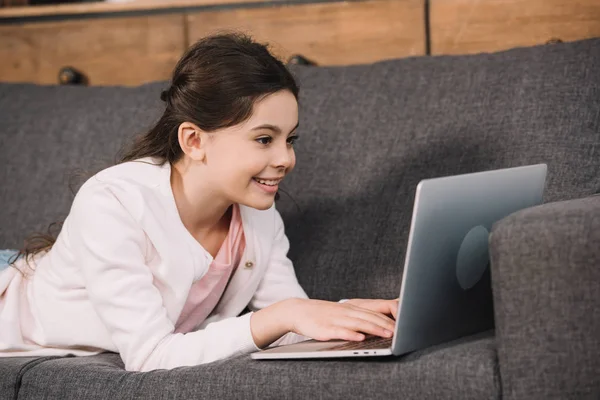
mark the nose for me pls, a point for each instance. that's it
(284, 158)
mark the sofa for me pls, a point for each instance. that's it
(368, 135)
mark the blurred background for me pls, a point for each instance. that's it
(130, 42)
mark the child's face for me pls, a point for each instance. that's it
(246, 162)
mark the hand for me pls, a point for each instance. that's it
(325, 320)
(386, 307)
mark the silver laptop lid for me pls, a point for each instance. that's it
(446, 290)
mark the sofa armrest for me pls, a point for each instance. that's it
(545, 264)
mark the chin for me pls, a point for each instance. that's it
(262, 204)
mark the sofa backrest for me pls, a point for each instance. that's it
(368, 134)
(53, 137)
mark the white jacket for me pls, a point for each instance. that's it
(119, 274)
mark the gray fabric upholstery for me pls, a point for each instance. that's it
(52, 136)
(464, 369)
(369, 134)
(546, 275)
(12, 371)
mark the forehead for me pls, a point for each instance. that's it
(279, 109)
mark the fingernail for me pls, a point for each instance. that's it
(388, 333)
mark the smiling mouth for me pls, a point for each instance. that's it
(268, 182)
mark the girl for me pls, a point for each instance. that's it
(160, 253)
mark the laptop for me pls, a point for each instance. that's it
(445, 292)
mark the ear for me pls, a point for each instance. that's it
(192, 141)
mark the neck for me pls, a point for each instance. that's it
(201, 209)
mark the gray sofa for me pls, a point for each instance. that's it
(368, 135)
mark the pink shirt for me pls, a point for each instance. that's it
(207, 291)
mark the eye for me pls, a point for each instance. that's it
(292, 139)
(264, 140)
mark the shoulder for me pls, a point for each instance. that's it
(143, 172)
(130, 185)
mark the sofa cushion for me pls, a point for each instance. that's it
(11, 372)
(465, 369)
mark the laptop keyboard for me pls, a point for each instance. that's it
(371, 342)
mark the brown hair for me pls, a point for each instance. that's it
(214, 85)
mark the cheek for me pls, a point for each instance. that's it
(226, 171)
(232, 162)
(245, 167)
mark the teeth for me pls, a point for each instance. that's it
(268, 183)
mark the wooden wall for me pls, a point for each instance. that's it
(334, 33)
(128, 50)
(137, 42)
(467, 26)
(117, 49)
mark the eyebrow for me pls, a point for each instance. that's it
(273, 128)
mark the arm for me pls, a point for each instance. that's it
(545, 276)
(110, 248)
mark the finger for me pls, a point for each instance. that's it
(377, 307)
(385, 307)
(373, 316)
(363, 324)
(394, 309)
(368, 327)
(389, 307)
(347, 334)
(366, 307)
